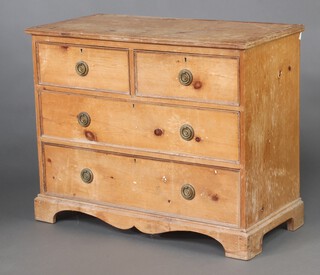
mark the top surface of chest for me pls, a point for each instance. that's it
(189, 32)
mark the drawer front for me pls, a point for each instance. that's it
(141, 183)
(83, 67)
(142, 126)
(207, 79)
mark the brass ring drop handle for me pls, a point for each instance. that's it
(186, 132)
(185, 77)
(82, 68)
(86, 175)
(84, 119)
(188, 192)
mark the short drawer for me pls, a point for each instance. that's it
(176, 130)
(83, 67)
(187, 77)
(186, 190)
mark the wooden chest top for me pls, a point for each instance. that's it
(171, 31)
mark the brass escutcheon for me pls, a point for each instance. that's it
(84, 119)
(187, 191)
(185, 77)
(82, 68)
(186, 132)
(86, 175)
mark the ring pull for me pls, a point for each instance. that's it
(82, 68)
(86, 175)
(188, 192)
(84, 119)
(185, 77)
(186, 132)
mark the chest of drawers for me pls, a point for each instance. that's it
(170, 125)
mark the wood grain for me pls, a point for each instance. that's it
(271, 95)
(146, 184)
(108, 68)
(171, 31)
(215, 79)
(132, 125)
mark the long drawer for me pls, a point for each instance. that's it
(175, 130)
(185, 190)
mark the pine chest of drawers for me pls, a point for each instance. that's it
(170, 125)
